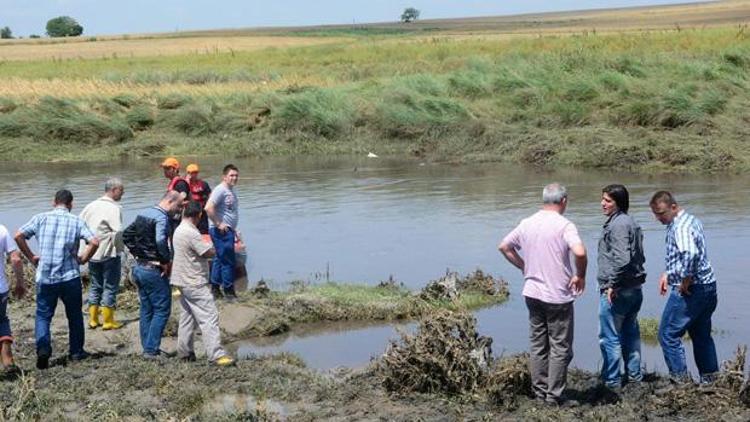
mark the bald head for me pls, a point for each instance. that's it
(171, 201)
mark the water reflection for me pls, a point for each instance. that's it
(367, 219)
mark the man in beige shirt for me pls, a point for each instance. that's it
(190, 277)
(104, 217)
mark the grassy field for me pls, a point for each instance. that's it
(651, 89)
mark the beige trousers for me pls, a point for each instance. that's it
(199, 311)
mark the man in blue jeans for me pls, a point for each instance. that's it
(222, 209)
(692, 299)
(58, 233)
(147, 238)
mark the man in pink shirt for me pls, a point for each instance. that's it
(547, 240)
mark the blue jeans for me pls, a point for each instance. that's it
(71, 293)
(105, 282)
(156, 303)
(5, 333)
(620, 335)
(222, 269)
(691, 313)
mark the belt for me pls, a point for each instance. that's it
(151, 264)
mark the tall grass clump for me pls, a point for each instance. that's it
(406, 113)
(63, 120)
(324, 112)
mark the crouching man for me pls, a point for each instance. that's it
(190, 275)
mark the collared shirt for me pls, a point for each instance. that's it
(104, 217)
(58, 233)
(686, 251)
(7, 246)
(189, 267)
(545, 240)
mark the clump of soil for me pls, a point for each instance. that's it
(446, 355)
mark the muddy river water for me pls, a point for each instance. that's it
(362, 220)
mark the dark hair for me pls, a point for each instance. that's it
(663, 197)
(228, 168)
(620, 195)
(64, 197)
(192, 209)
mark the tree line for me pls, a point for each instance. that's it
(61, 26)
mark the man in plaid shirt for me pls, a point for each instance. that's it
(58, 233)
(693, 298)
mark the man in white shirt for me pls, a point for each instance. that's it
(104, 217)
(8, 248)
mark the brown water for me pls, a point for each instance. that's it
(361, 220)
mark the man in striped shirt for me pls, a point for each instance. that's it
(692, 299)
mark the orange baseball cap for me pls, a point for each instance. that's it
(171, 162)
(193, 168)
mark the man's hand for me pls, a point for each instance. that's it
(166, 269)
(684, 287)
(663, 284)
(35, 260)
(577, 284)
(82, 260)
(611, 295)
(223, 228)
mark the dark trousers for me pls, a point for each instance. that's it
(70, 292)
(551, 348)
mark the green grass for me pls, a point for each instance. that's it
(661, 101)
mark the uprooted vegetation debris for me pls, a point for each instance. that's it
(447, 357)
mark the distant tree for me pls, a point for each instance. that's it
(6, 33)
(63, 26)
(34, 36)
(410, 15)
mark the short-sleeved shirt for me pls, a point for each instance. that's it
(104, 217)
(545, 240)
(189, 267)
(58, 233)
(225, 205)
(7, 245)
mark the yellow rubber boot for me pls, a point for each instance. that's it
(109, 319)
(94, 316)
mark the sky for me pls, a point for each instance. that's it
(99, 17)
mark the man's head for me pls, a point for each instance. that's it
(192, 171)
(230, 175)
(171, 202)
(193, 211)
(114, 188)
(171, 167)
(555, 197)
(63, 198)
(664, 206)
(615, 198)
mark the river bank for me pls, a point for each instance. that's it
(116, 383)
(668, 101)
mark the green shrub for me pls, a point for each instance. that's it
(471, 84)
(324, 112)
(405, 113)
(7, 105)
(140, 118)
(173, 101)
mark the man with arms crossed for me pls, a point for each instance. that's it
(547, 240)
(58, 233)
(689, 279)
(223, 216)
(104, 217)
(190, 276)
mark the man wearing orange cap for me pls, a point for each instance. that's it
(172, 172)
(199, 192)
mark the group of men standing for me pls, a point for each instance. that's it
(170, 243)
(542, 245)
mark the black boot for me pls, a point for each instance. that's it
(216, 291)
(229, 293)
